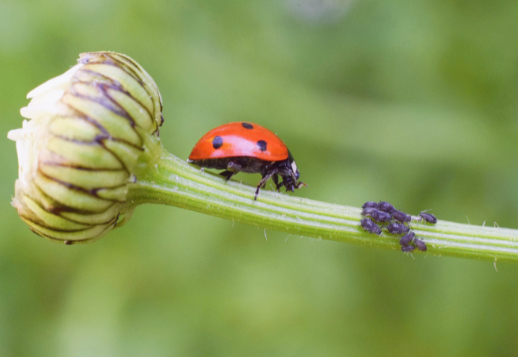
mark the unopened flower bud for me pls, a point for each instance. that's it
(78, 151)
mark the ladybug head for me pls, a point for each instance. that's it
(291, 175)
(287, 169)
(295, 170)
(293, 166)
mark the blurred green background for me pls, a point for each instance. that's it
(410, 102)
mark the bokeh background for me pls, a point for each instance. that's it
(410, 102)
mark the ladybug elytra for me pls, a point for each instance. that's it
(247, 147)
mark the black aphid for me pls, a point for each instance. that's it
(371, 227)
(420, 245)
(381, 216)
(385, 207)
(370, 204)
(367, 211)
(401, 216)
(407, 248)
(397, 228)
(428, 217)
(407, 238)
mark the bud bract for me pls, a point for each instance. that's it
(78, 150)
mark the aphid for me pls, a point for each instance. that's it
(407, 248)
(420, 245)
(385, 207)
(246, 147)
(370, 204)
(397, 228)
(381, 216)
(407, 238)
(428, 217)
(371, 227)
(368, 211)
(401, 216)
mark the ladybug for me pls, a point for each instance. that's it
(247, 147)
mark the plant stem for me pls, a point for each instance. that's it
(165, 179)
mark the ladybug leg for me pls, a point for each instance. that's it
(263, 182)
(232, 169)
(227, 174)
(275, 179)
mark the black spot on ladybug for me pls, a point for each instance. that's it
(247, 125)
(217, 142)
(262, 145)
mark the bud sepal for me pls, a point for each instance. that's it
(77, 153)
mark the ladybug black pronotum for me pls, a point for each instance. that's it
(247, 147)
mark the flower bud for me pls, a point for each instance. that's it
(78, 151)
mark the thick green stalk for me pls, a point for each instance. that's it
(163, 178)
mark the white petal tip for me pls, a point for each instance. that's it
(15, 134)
(54, 83)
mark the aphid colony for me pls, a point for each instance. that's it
(384, 215)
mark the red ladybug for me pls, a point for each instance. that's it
(247, 147)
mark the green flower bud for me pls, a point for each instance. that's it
(78, 151)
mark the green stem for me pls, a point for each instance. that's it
(165, 179)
